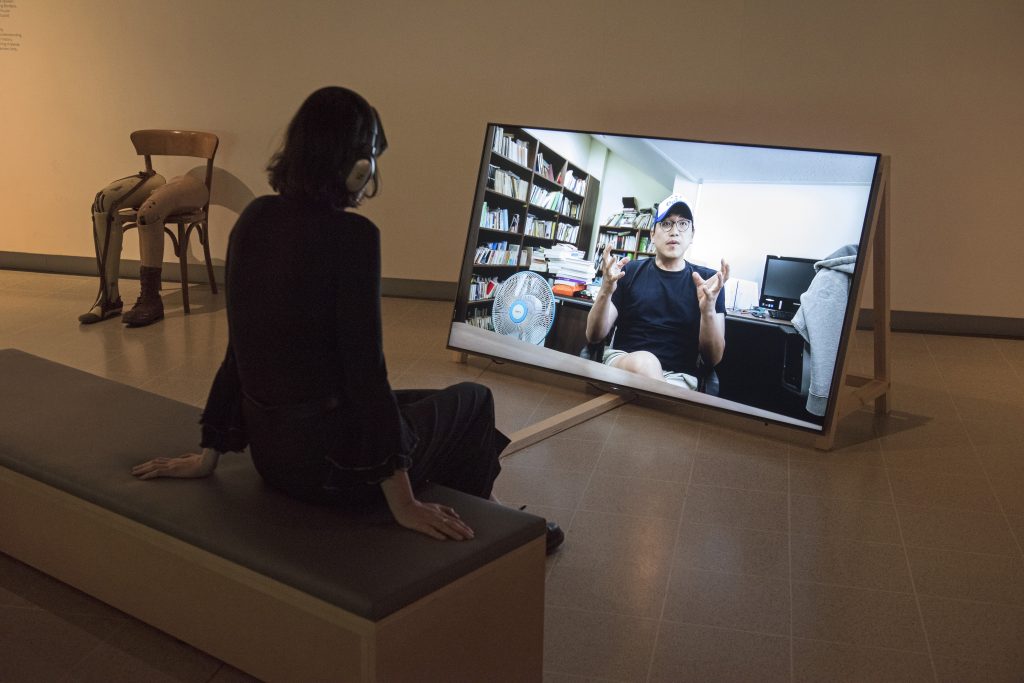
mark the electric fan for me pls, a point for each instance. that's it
(524, 307)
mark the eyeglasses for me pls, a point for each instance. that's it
(685, 225)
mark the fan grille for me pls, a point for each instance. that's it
(524, 307)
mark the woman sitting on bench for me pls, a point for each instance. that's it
(304, 383)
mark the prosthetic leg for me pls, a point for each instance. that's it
(107, 226)
(183, 193)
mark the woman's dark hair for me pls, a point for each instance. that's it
(330, 128)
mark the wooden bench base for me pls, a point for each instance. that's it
(487, 625)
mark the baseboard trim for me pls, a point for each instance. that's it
(947, 323)
(901, 321)
(84, 265)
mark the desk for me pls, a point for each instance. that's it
(746, 315)
(764, 365)
(569, 331)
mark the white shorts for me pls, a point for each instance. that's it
(680, 379)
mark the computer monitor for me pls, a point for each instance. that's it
(785, 279)
(547, 203)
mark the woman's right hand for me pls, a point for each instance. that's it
(188, 466)
(434, 520)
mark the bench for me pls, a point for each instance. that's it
(275, 587)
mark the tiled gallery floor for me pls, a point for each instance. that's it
(694, 551)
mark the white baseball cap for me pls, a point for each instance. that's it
(673, 204)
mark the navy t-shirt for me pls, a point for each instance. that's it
(659, 312)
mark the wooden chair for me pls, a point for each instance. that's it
(182, 143)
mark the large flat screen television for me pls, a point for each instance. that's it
(559, 214)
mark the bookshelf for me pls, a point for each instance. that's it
(629, 233)
(528, 197)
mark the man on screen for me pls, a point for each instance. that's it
(666, 311)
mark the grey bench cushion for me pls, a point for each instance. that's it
(81, 433)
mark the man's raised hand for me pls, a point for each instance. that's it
(707, 290)
(611, 268)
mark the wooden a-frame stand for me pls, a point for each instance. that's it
(862, 389)
(875, 388)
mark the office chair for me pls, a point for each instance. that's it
(707, 378)
(182, 143)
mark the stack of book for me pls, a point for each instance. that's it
(631, 218)
(623, 219)
(571, 270)
(644, 221)
(535, 260)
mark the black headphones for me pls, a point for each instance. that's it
(364, 168)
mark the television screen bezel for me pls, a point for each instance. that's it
(852, 305)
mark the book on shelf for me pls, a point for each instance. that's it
(546, 199)
(622, 241)
(544, 168)
(496, 254)
(481, 288)
(569, 181)
(507, 183)
(567, 232)
(569, 208)
(481, 319)
(497, 219)
(538, 227)
(506, 145)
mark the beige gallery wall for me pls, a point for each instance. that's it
(936, 84)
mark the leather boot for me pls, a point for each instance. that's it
(149, 307)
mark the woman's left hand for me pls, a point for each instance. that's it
(188, 466)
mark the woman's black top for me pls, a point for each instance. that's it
(304, 323)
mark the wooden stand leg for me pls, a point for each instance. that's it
(875, 388)
(460, 357)
(564, 420)
(882, 310)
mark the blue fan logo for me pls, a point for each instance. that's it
(518, 311)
